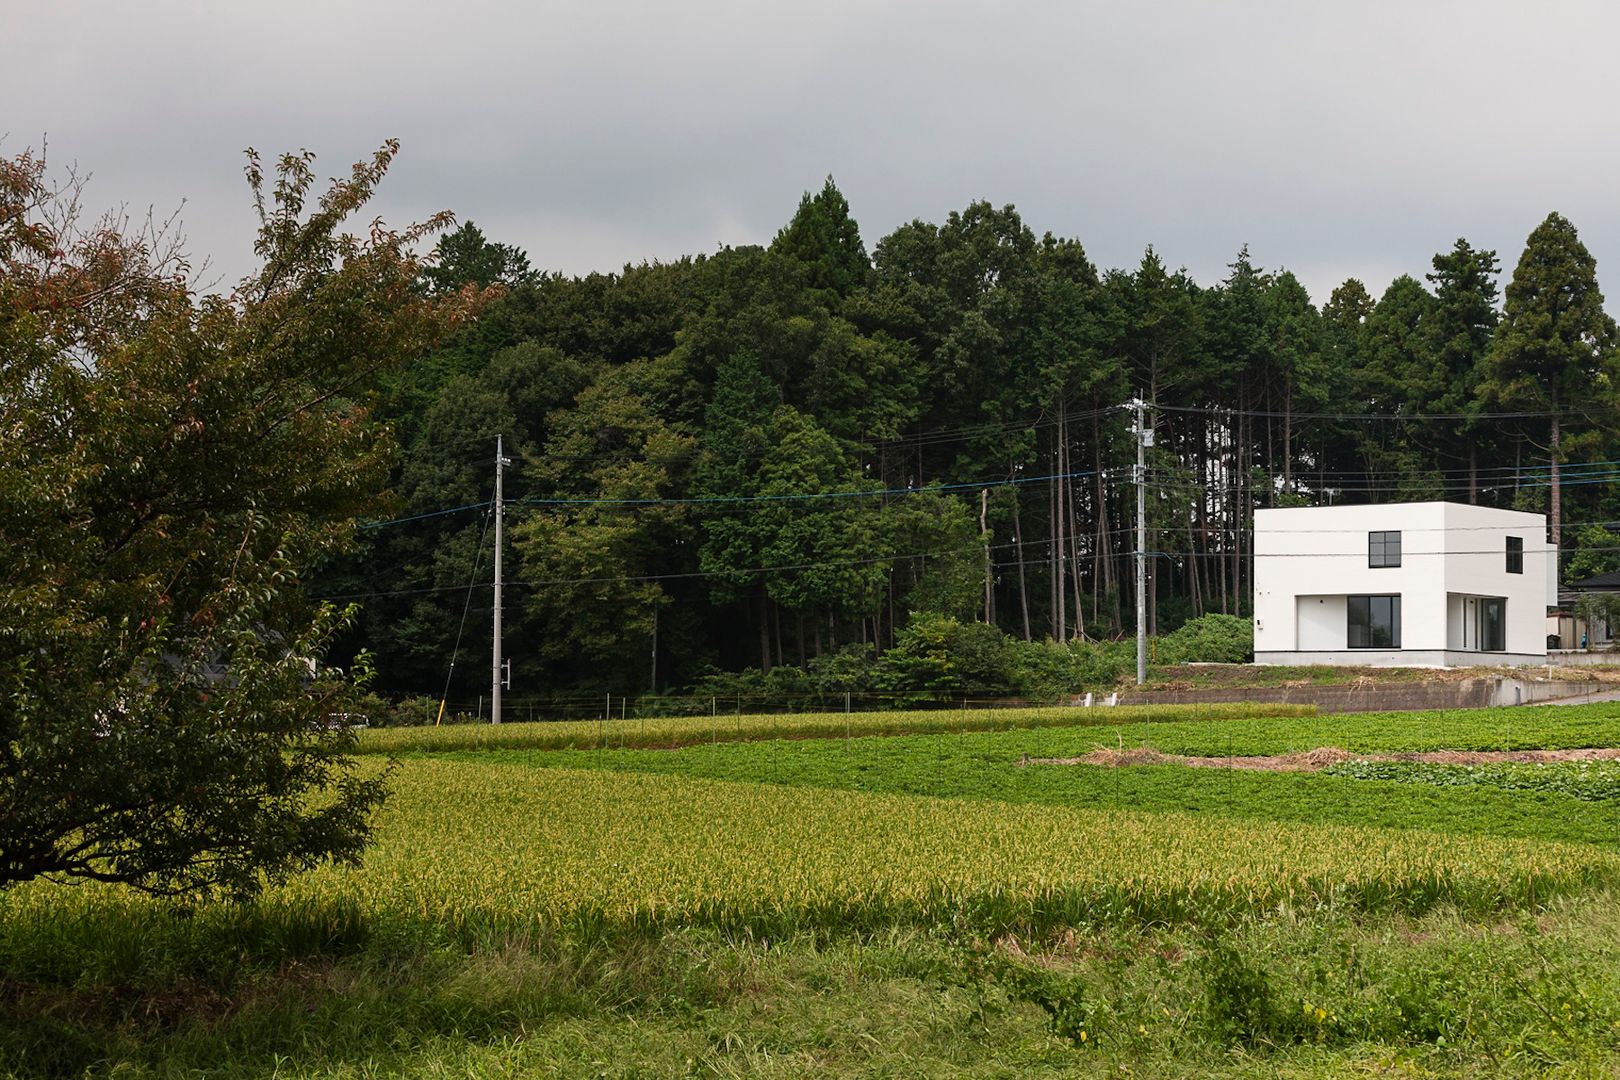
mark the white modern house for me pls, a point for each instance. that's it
(1433, 584)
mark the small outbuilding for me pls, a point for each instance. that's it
(1433, 584)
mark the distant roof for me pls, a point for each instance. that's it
(1601, 581)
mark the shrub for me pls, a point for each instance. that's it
(939, 655)
(1209, 639)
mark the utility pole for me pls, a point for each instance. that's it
(497, 672)
(1144, 439)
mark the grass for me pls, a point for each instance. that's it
(481, 851)
(989, 770)
(986, 765)
(1431, 996)
(598, 923)
(644, 913)
(698, 730)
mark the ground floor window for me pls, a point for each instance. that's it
(1493, 624)
(1375, 622)
(1484, 623)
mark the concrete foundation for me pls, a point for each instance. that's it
(1437, 658)
(1384, 697)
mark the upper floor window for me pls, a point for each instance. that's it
(1515, 554)
(1383, 549)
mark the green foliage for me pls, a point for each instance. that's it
(1590, 781)
(465, 257)
(1597, 551)
(172, 463)
(838, 417)
(1209, 639)
(1239, 1002)
(940, 656)
(826, 242)
(1003, 761)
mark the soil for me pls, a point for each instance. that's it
(1323, 756)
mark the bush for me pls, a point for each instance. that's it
(938, 655)
(408, 712)
(1209, 639)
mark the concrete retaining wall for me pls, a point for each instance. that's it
(1583, 657)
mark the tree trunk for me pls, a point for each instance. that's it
(1060, 551)
(1073, 530)
(1051, 547)
(1288, 437)
(984, 538)
(1556, 454)
(761, 607)
(1018, 545)
(776, 631)
(1102, 555)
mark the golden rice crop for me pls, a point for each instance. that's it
(694, 730)
(482, 851)
(470, 844)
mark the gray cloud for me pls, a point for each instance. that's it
(1336, 140)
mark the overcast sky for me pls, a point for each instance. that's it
(1337, 140)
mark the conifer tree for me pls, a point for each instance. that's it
(1554, 351)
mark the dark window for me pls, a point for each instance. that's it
(1375, 622)
(1515, 555)
(1383, 549)
(1493, 625)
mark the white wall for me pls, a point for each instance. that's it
(1476, 565)
(1456, 620)
(1446, 548)
(1322, 623)
(1322, 550)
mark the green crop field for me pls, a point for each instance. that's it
(910, 894)
(664, 732)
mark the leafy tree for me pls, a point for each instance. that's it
(1554, 352)
(588, 561)
(171, 464)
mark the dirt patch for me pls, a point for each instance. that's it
(1322, 757)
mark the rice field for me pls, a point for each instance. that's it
(666, 732)
(488, 851)
(519, 905)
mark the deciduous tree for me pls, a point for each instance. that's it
(169, 465)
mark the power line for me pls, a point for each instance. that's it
(456, 649)
(702, 500)
(422, 517)
(1216, 410)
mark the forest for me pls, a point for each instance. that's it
(792, 456)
